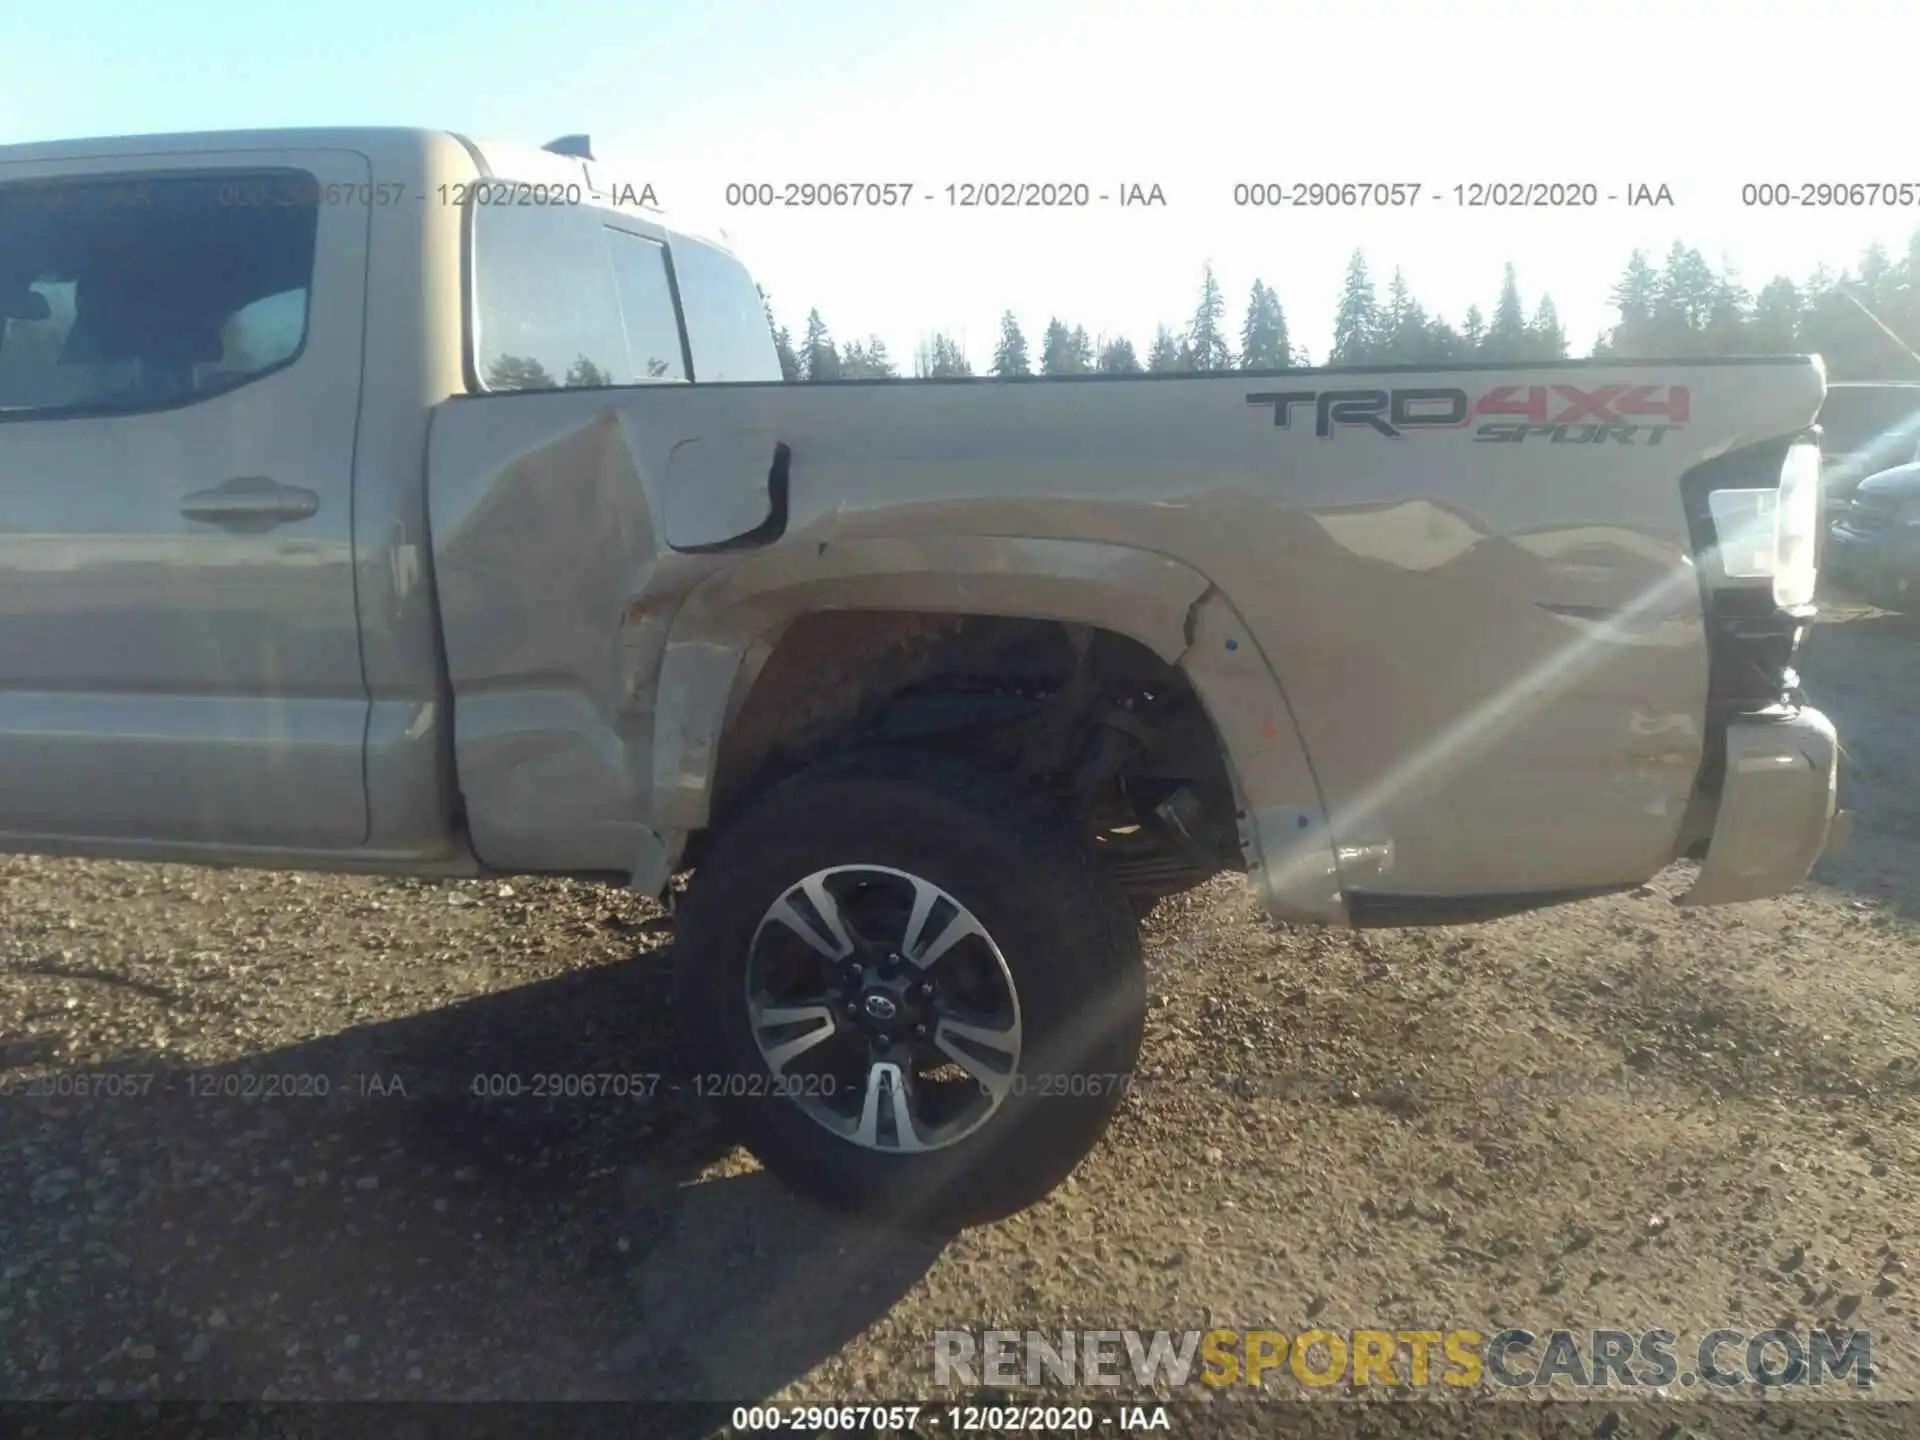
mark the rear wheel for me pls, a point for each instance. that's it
(911, 987)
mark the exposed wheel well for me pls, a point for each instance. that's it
(1086, 713)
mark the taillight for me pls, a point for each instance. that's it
(1797, 528)
(1743, 523)
(1752, 517)
(1773, 534)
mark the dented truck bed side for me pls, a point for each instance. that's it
(1444, 661)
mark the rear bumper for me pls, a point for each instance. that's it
(1776, 807)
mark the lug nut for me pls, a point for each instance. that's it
(882, 1043)
(926, 987)
(919, 1032)
(852, 1009)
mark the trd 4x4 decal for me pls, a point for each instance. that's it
(1559, 414)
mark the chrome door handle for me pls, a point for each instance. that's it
(251, 500)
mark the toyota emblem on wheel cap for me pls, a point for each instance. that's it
(881, 1008)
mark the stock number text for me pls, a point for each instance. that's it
(1343, 193)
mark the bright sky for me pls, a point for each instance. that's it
(1192, 96)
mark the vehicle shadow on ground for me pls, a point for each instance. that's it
(404, 1237)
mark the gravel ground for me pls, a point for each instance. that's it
(1615, 1114)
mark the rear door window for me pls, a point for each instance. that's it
(546, 314)
(647, 308)
(156, 291)
(726, 319)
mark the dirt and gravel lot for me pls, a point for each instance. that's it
(1616, 1114)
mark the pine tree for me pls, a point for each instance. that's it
(1053, 348)
(1683, 303)
(942, 358)
(518, 372)
(1684, 307)
(1506, 338)
(1884, 288)
(782, 340)
(1164, 355)
(783, 348)
(1775, 327)
(868, 361)
(1828, 323)
(1835, 327)
(1728, 329)
(1444, 345)
(1064, 351)
(1206, 339)
(1546, 337)
(584, 372)
(1010, 355)
(1905, 316)
(1081, 349)
(1356, 324)
(1635, 294)
(1405, 333)
(1264, 344)
(819, 360)
(1876, 275)
(1473, 331)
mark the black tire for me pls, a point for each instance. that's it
(1016, 862)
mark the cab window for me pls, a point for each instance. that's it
(726, 319)
(150, 290)
(646, 307)
(545, 315)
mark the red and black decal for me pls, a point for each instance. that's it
(1560, 414)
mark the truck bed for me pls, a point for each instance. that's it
(1474, 590)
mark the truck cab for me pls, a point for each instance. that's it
(222, 358)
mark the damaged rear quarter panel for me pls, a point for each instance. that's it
(543, 534)
(1492, 653)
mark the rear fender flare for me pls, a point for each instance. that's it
(730, 623)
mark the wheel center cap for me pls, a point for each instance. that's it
(885, 1004)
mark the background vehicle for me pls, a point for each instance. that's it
(387, 501)
(1866, 426)
(1874, 547)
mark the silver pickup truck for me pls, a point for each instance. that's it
(380, 500)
